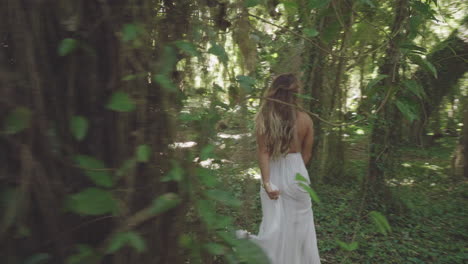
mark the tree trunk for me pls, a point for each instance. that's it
(383, 136)
(449, 58)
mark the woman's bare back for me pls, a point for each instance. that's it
(304, 136)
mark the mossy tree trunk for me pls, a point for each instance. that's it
(384, 137)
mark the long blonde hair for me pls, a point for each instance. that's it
(277, 121)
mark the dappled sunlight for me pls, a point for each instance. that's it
(403, 182)
(252, 172)
(431, 167)
(212, 163)
(233, 136)
(406, 165)
(188, 144)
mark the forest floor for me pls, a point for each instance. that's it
(432, 228)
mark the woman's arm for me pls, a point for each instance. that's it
(263, 158)
(264, 164)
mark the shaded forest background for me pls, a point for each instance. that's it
(126, 132)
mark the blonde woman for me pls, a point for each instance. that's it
(284, 139)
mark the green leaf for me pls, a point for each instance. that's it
(143, 153)
(214, 248)
(414, 87)
(79, 127)
(219, 52)
(368, 2)
(223, 197)
(251, 3)
(165, 202)
(407, 109)
(207, 152)
(206, 176)
(120, 102)
(175, 174)
(131, 31)
(301, 178)
(92, 201)
(380, 222)
(249, 252)
(413, 47)
(165, 82)
(126, 167)
(290, 6)
(206, 211)
(67, 46)
(425, 64)
(187, 47)
(311, 192)
(17, 120)
(318, 3)
(131, 77)
(348, 247)
(129, 238)
(95, 170)
(246, 82)
(40, 258)
(375, 81)
(84, 255)
(310, 32)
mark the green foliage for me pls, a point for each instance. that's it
(17, 120)
(40, 258)
(425, 64)
(126, 167)
(407, 108)
(251, 3)
(207, 152)
(380, 222)
(318, 3)
(67, 46)
(79, 127)
(367, 2)
(310, 32)
(223, 197)
(188, 48)
(131, 32)
(412, 48)
(348, 246)
(219, 52)
(120, 102)
(143, 153)
(130, 238)
(95, 170)
(165, 82)
(92, 201)
(165, 202)
(247, 83)
(414, 87)
(175, 174)
(215, 248)
(304, 183)
(370, 90)
(206, 177)
(248, 252)
(84, 255)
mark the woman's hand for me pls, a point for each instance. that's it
(273, 194)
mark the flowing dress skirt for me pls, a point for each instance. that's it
(287, 231)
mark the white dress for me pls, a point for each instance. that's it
(287, 231)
